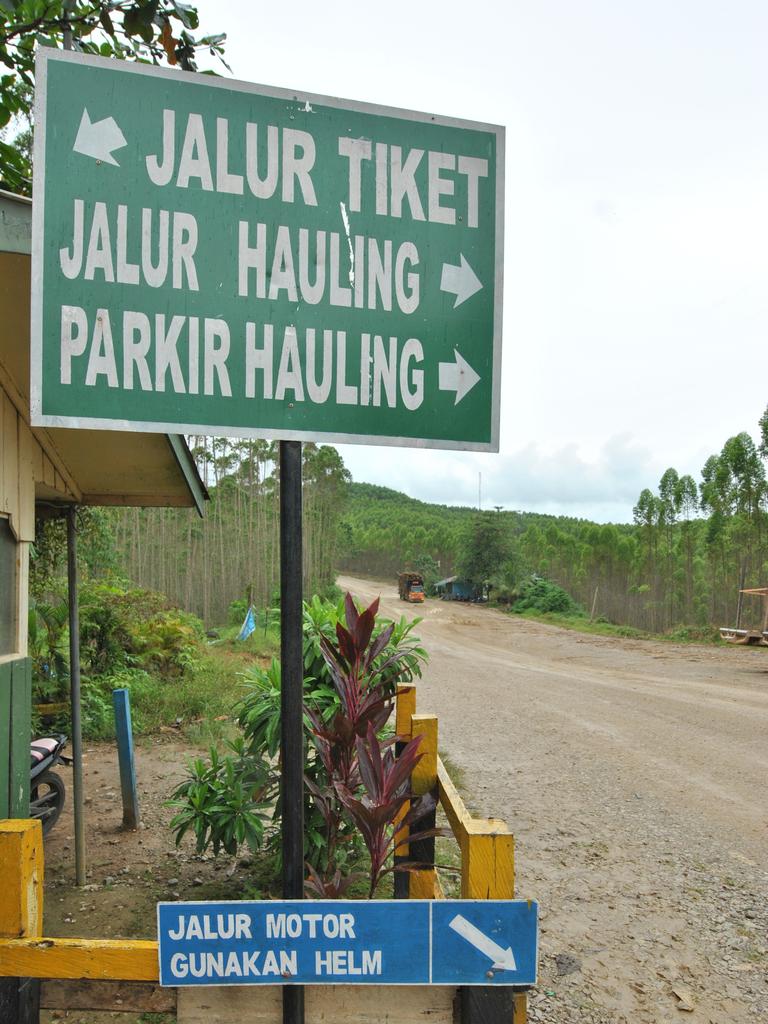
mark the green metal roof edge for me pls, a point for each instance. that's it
(188, 468)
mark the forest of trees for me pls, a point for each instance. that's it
(205, 564)
(682, 561)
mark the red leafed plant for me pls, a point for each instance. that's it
(365, 780)
(386, 787)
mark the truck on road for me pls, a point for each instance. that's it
(410, 586)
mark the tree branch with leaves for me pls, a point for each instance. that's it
(148, 31)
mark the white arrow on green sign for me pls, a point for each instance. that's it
(211, 256)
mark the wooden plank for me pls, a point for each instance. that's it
(102, 959)
(117, 996)
(20, 738)
(28, 449)
(332, 1004)
(19, 1001)
(65, 484)
(22, 599)
(48, 471)
(423, 882)
(458, 816)
(5, 735)
(487, 873)
(52, 709)
(21, 871)
(151, 499)
(4, 443)
(424, 776)
(9, 430)
(405, 709)
(487, 866)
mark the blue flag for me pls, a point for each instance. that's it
(248, 626)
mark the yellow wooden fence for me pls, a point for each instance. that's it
(487, 872)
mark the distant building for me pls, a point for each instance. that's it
(455, 589)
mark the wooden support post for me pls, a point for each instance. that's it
(78, 798)
(405, 708)
(424, 779)
(488, 1006)
(21, 911)
(488, 873)
(487, 862)
(121, 702)
(423, 882)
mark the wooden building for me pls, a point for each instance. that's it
(53, 468)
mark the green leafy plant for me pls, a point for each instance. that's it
(361, 783)
(259, 718)
(97, 712)
(378, 654)
(151, 31)
(49, 649)
(225, 802)
(106, 637)
(169, 643)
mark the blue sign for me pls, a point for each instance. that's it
(484, 942)
(348, 942)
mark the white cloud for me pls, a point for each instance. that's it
(636, 306)
(559, 481)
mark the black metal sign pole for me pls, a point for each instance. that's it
(292, 662)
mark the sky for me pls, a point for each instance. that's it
(635, 299)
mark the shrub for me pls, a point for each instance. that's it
(331, 844)
(539, 595)
(225, 802)
(237, 611)
(170, 643)
(128, 637)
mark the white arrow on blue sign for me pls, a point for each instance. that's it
(349, 942)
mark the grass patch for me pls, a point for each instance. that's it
(198, 702)
(455, 771)
(581, 624)
(598, 627)
(448, 861)
(695, 635)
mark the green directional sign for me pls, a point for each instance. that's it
(216, 257)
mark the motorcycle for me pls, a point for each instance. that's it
(47, 790)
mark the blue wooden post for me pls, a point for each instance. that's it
(122, 704)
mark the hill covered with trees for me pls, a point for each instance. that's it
(691, 545)
(681, 561)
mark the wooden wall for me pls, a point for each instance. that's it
(15, 716)
(17, 501)
(23, 466)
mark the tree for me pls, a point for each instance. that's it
(150, 31)
(485, 549)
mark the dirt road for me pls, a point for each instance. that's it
(635, 777)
